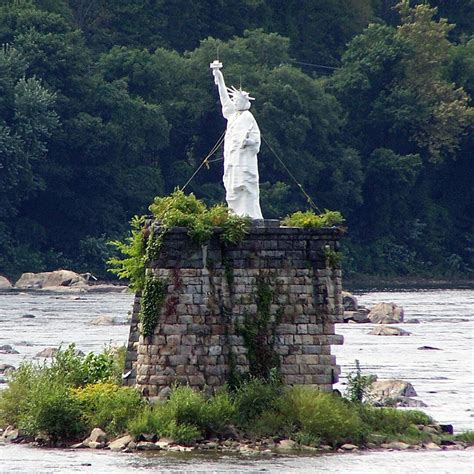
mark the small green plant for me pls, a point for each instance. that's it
(358, 385)
(466, 437)
(132, 266)
(333, 258)
(312, 220)
(186, 416)
(108, 406)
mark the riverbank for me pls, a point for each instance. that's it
(376, 283)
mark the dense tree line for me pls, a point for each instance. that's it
(105, 104)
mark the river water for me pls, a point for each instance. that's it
(443, 379)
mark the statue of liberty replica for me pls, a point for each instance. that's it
(241, 145)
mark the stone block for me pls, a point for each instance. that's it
(169, 329)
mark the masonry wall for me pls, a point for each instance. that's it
(212, 293)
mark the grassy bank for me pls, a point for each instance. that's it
(60, 403)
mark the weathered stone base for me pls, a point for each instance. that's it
(213, 293)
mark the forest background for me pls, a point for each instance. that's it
(105, 104)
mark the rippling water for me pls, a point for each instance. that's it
(443, 379)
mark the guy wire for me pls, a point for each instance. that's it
(206, 161)
(306, 195)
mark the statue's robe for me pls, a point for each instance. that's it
(240, 162)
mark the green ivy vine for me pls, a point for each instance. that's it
(262, 358)
(152, 301)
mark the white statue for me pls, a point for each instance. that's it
(241, 145)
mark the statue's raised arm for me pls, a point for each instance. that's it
(226, 102)
(241, 145)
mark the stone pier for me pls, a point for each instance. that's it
(270, 301)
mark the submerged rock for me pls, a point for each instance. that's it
(356, 316)
(47, 352)
(5, 368)
(382, 330)
(386, 313)
(105, 320)
(8, 349)
(396, 445)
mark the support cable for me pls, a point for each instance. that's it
(306, 195)
(219, 142)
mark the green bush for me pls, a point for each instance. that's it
(39, 397)
(108, 406)
(311, 220)
(13, 399)
(218, 412)
(186, 416)
(254, 397)
(176, 210)
(321, 415)
(132, 266)
(51, 410)
(76, 370)
(144, 422)
(467, 437)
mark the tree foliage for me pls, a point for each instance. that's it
(105, 105)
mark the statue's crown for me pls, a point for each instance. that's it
(234, 92)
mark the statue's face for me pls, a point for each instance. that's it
(241, 103)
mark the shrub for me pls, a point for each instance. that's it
(391, 421)
(218, 412)
(132, 267)
(322, 415)
(467, 437)
(39, 398)
(13, 399)
(50, 410)
(254, 397)
(108, 406)
(144, 422)
(75, 369)
(358, 385)
(310, 219)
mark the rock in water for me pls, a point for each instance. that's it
(47, 352)
(58, 278)
(120, 443)
(7, 349)
(5, 283)
(428, 348)
(349, 301)
(382, 330)
(386, 313)
(391, 391)
(104, 320)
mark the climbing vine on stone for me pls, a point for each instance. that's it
(258, 331)
(153, 299)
